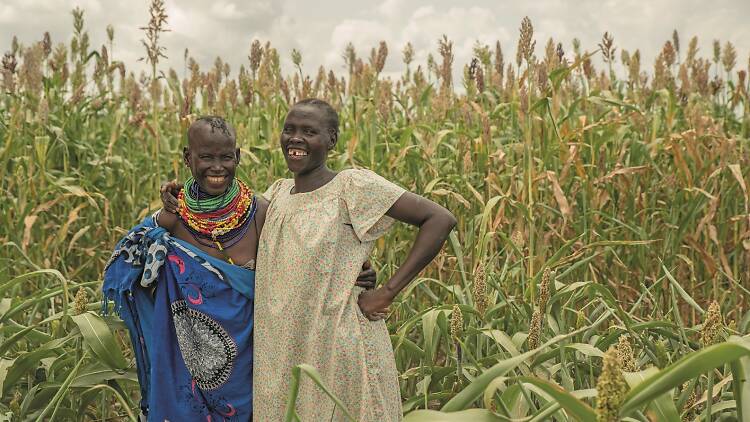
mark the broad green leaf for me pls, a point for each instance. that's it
(314, 375)
(5, 365)
(55, 402)
(474, 390)
(22, 365)
(470, 415)
(690, 366)
(97, 373)
(575, 407)
(662, 407)
(585, 349)
(100, 339)
(741, 383)
(683, 294)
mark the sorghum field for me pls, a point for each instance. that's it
(599, 270)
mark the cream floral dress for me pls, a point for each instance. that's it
(312, 248)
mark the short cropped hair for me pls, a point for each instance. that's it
(332, 118)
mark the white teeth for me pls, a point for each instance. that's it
(297, 153)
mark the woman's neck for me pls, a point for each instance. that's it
(313, 179)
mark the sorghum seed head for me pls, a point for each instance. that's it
(499, 61)
(9, 63)
(526, 43)
(692, 50)
(480, 80)
(535, 329)
(729, 56)
(473, 68)
(713, 325)
(381, 56)
(669, 54)
(518, 239)
(480, 290)
(662, 357)
(717, 51)
(544, 289)
(690, 402)
(47, 44)
(606, 46)
(611, 388)
(580, 319)
(80, 301)
(15, 403)
(43, 111)
(457, 322)
(625, 354)
(408, 53)
(110, 32)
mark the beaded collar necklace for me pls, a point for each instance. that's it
(216, 221)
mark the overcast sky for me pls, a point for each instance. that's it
(321, 29)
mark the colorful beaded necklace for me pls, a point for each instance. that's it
(216, 221)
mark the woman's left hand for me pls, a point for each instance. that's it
(366, 278)
(375, 304)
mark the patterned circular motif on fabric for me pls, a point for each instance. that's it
(207, 349)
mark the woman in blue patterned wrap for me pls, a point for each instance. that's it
(187, 306)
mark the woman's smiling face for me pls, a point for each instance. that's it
(306, 138)
(212, 157)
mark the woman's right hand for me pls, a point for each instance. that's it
(168, 192)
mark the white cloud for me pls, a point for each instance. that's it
(390, 8)
(363, 34)
(226, 10)
(7, 13)
(321, 30)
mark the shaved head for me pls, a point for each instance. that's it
(211, 127)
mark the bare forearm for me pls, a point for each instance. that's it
(430, 239)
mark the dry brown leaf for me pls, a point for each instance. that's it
(623, 171)
(77, 236)
(557, 191)
(707, 259)
(737, 172)
(351, 146)
(28, 222)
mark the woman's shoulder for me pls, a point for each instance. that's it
(358, 175)
(275, 188)
(362, 178)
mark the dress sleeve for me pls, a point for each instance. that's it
(368, 197)
(272, 190)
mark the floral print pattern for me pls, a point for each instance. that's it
(312, 248)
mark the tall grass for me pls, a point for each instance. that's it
(596, 207)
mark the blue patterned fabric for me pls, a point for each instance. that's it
(190, 320)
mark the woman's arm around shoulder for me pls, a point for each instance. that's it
(260, 213)
(167, 220)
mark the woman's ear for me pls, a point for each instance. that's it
(186, 156)
(333, 138)
(237, 155)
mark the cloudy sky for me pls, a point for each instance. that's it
(321, 29)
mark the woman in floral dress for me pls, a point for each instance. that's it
(320, 226)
